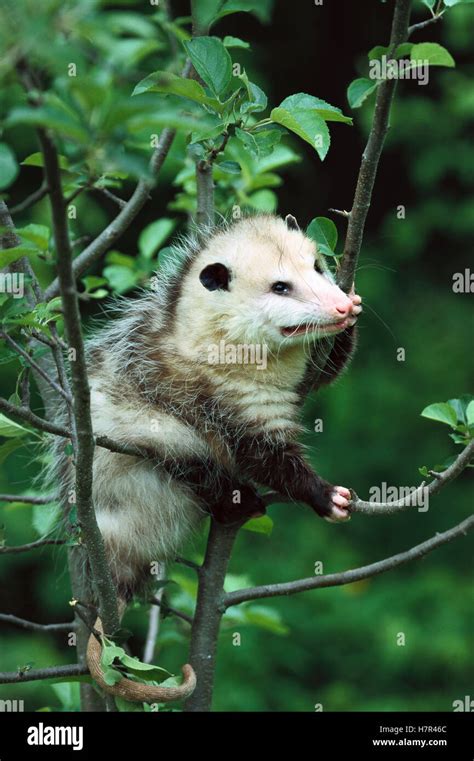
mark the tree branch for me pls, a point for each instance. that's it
(28, 499)
(349, 577)
(28, 358)
(31, 546)
(85, 440)
(33, 675)
(36, 196)
(7, 618)
(372, 153)
(415, 498)
(209, 610)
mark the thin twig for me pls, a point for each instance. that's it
(28, 358)
(349, 577)
(31, 546)
(173, 611)
(111, 196)
(423, 24)
(28, 499)
(419, 495)
(36, 196)
(33, 675)
(7, 618)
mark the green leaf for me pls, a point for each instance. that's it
(120, 278)
(261, 8)
(112, 676)
(8, 166)
(10, 255)
(235, 42)
(37, 234)
(263, 200)
(433, 53)
(211, 61)
(10, 429)
(303, 102)
(154, 235)
(230, 167)
(205, 12)
(166, 82)
(8, 447)
(50, 117)
(470, 413)
(402, 51)
(442, 412)
(359, 90)
(262, 525)
(265, 618)
(36, 159)
(324, 233)
(91, 282)
(257, 100)
(45, 517)
(306, 124)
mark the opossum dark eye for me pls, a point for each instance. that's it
(282, 289)
(215, 277)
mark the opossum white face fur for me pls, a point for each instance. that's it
(262, 281)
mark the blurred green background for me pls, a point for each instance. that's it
(335, 647)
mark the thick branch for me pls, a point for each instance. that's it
(372, 153)
(348, 577)
(85, 440)
(6, 618)
(33, 675)
(209, 610)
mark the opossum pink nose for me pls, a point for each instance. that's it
(343, 308)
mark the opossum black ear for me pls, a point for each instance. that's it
(291, 222)
(215, 277)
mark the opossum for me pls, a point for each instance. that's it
(170, 376)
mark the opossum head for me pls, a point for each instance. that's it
(261, 281)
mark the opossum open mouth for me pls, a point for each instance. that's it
(311, 327)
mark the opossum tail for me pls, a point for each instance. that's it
(136, 692)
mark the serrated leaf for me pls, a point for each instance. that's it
(433, 53)
(306, 124)
(211, 61)
(303, 101)
(168, 83)
(359, 90)
(324, 233)
(229, 167)
(442, 412)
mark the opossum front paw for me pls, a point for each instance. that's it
(356, 307)
(340, 505)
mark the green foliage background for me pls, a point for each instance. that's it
(335, 647)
